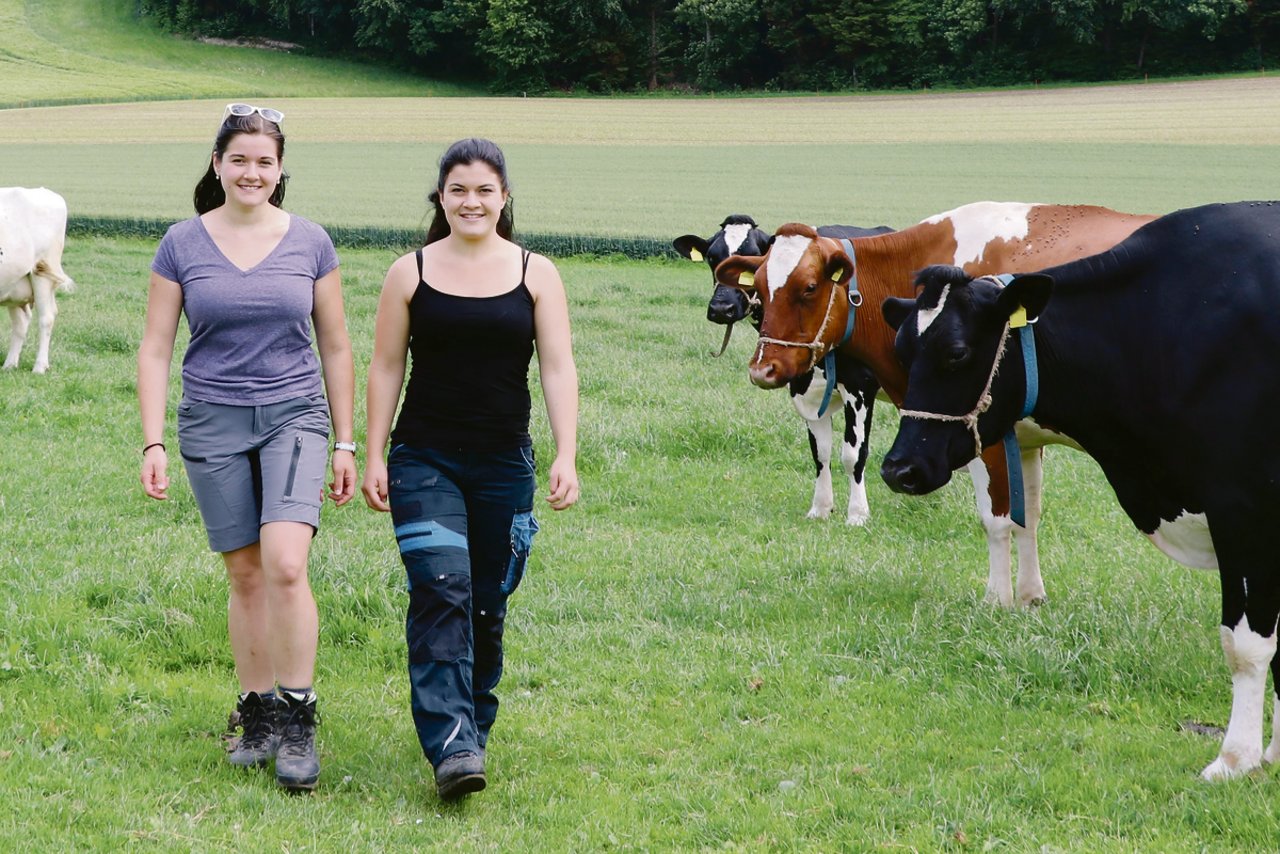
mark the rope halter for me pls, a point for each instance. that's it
(984, 400)
(817, 346)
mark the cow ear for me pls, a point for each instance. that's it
(839, 267)
(689, 244)
(896, 310)
(739, 271)
(1031, 291)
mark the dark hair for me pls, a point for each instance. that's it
(462, 153)
(209, 193)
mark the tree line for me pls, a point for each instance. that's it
(729, 45)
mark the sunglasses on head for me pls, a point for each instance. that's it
(274, 116)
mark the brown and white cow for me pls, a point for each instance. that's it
(802, 283)
(33, 227)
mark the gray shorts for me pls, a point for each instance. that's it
(250, 465)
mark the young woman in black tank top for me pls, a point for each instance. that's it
(470, 306)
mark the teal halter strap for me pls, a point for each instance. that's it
(855, 300)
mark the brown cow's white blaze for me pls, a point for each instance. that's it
(784, 255)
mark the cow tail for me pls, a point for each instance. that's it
(53, 270)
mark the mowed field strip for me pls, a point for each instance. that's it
(656, 168)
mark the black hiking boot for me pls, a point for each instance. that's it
(297, 766)
(460, 774)
(259, 737)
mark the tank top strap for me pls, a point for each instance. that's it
(418, 255)
(524, 266)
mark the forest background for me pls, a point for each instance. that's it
(731, 45)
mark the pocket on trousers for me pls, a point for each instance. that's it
(304, 481)
(523, 527)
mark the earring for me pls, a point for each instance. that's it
(217, 176)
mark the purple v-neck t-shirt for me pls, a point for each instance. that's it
(250, 329)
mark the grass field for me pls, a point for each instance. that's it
(692, 664)
(69, 51)
(666, 167)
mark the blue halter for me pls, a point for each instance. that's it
(855, 300)
(1012, 453)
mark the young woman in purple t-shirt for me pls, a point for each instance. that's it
(253, 424)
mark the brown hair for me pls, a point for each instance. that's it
(209, 193)
(462, 153)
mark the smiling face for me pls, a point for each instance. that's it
(473, 199)
(249, 169)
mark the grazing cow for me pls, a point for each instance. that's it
(855, 385)
(33, 228)
(805, 312)
(1159, 359)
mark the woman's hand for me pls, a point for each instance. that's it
(375, 485)
(343, 487)
(155, 480)
(563, 484)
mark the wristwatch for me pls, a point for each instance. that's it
(345, 446)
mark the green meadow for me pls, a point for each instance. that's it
(692, 665)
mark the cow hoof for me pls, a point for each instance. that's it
(1222, 769)
(1033, 601)
(1003, 599)
(857, 519)
(1272, 753)
(39, 369)
(9, 366)
(818, 513)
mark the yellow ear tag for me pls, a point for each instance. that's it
(695, 255)
(835, 277)
(746, 279)
(1018, 319)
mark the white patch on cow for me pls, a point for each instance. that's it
(1033, 435)
(734, 235)
(926, 316)
(784, 255)
(1187, 540)
(1248, 656)
(978, 224)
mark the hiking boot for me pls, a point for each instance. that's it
(259, 738)
(297, 766)
(460, 774)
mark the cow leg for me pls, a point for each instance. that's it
(999, 537)
(1030, 590)
(46, 311)
(806, 397)
(1250, 605)
(858, 386)
(1272, 753)
(19, 320)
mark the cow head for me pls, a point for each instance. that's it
(738, 235)
(802, 284)
(952, 339)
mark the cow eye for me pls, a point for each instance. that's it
(810, 288)
(956, 357)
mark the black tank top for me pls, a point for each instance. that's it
(469, 381)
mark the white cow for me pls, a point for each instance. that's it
(33, 231)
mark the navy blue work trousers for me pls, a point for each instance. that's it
(464, 525)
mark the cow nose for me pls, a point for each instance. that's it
(721, 314)
(765, 375)
(902, 476)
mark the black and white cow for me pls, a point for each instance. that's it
(855, 386)
(1159, 359)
